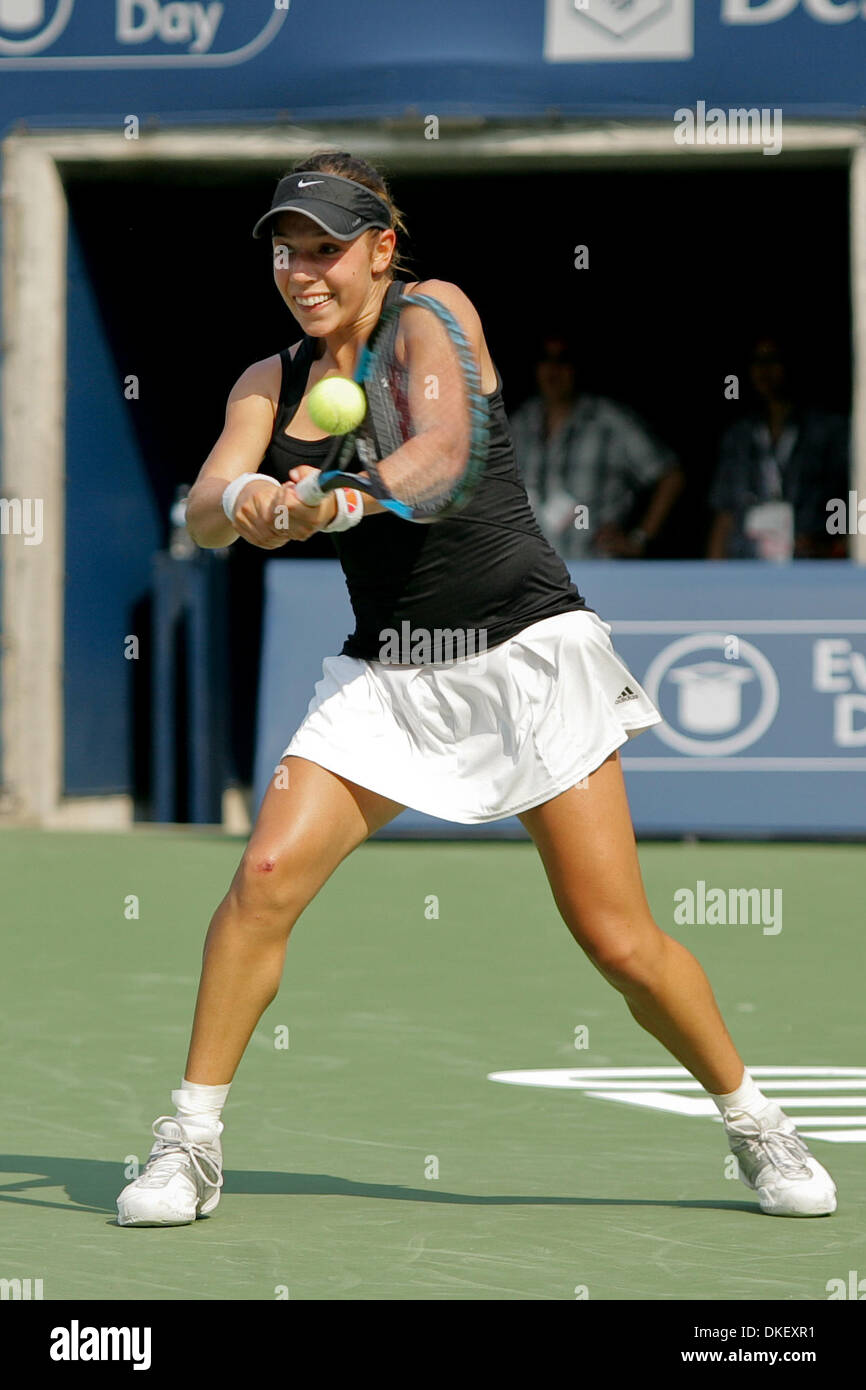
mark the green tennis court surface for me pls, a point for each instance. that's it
(395, 1020)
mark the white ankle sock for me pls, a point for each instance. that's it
(200, 1105)
(747, 1097)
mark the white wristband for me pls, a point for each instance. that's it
(350, 509)
(234, 490)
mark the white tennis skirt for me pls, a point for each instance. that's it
(485, 736)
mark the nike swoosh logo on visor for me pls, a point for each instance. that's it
(308, 183)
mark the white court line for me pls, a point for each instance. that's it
(837, 1102)
(795, 1083)
(839, 1121)
(836, 1136)
(681, 1071)
(673, 1091)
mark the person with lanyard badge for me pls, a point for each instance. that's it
(530, 727)
(588, 464)
(770, 524)
(778, 467)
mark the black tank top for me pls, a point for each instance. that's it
(487, 568)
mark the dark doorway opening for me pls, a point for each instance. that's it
(684, 266)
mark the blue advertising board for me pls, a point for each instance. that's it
(758, 670)
(84, 61)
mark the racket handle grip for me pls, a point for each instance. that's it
(308, 490)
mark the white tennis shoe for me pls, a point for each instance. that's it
(775, 1163)
(181, 1179)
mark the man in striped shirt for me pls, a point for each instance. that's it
(584, 461)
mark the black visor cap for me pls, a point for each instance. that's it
(342, 207)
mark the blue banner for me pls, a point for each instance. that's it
(759, 671)
(74, 61)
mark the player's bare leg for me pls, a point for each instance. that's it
(587, 845)
(303, 832)
(307, 825)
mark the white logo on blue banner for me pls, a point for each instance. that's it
(624, 31)
(621, 17)
(825, 1102)
(187, 31)
(21, 17)
(707, 715)
(770, 11)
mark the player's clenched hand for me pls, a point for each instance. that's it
(303, 519)
(254, 515)
(268, 516)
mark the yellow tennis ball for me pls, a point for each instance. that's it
(337, 405)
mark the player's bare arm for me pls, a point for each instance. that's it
(249, 423)
(461, 306)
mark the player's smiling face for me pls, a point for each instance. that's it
(325, 282)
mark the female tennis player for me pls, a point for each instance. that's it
(531, 727)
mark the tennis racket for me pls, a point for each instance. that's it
(423, 441)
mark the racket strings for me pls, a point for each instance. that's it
(425, 421)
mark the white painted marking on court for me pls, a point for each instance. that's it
(849, 1136)
(665, 1089)
(831, 1120)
